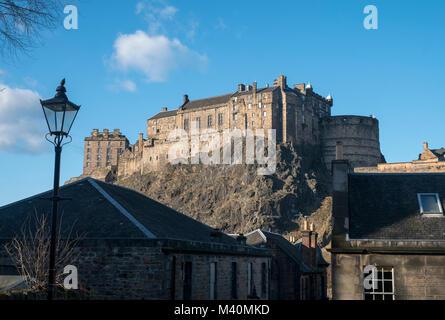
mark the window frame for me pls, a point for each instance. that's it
(430, 214)
(373, 293)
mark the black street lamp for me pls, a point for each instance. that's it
(60, 114)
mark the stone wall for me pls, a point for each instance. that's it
(416, 277)
(143, 269)
(404, 167)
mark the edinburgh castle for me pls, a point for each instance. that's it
(298, 114)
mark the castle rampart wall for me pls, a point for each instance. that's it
(359, 136)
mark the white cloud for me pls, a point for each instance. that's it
(156, 13)
(22, 124)
(125, 85)
(154, 56)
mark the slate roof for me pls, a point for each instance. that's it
(99, 210)
(439, 152)
(201, 103)
(293, 251)
(164, 114)
(385, 206)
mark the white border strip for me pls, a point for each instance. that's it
(122, 210)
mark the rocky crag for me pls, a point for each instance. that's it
(235, 199)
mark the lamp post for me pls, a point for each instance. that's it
(60, 114)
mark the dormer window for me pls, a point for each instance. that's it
(429, 204)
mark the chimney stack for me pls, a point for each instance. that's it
(95, 132)
(267, 85)
(282, 81)
(164, 109)
(425, 146)
(241, 87)
(116, 131)
(186, 98)
(340, 208)
(254, 86)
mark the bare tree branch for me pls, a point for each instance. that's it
(30, 251)
(22, 23)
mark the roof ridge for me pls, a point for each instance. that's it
(160, 203)
(218, 96)
(121, 209)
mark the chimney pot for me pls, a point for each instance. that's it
(186, 98)
(164, 109)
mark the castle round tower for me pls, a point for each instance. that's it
(354, 138)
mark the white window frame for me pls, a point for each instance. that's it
(430, 214)
(383, 293)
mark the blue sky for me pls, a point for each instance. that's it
(128, 59)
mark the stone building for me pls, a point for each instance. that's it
(298, 271)
(132, 247)
(388, 235)
(298, 114)
(430, 160)
(103, 149)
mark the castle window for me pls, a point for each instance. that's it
(98, 143)
(249, 97)
(109, 143)
(259, 96)
(98, 164)
(234, 108)
(88, 143)
(253, 123)
(88, 164)
(198, 123)
(235, 116)
(186, 124)
(302, 119)
(88, 149)
(259, 105)
(98, 150)
(249, 106)
(253, 115)
(220, 119)
(265, 113)
(121, 150)
(209, 121)
(88, 157)
(98, 157)
(108, 164)
(109, 150)
(429, 203)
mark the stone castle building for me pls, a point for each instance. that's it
(103, 149)
(299, 115)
